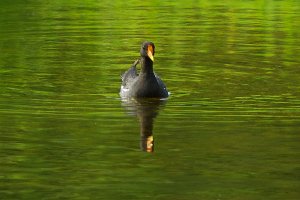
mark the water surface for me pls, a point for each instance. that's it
(230, 129)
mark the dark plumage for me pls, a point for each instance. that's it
(145, 84)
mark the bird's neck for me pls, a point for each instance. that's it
(146, 65)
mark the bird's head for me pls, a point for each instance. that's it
(148, 50)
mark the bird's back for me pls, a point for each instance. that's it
(135, 85)
(128, 78)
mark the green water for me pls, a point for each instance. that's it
(230, 129)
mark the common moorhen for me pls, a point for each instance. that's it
(145, 84)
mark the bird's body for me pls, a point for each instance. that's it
(145, 84)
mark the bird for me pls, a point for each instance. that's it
(146, 83)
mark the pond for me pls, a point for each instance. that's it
(229, 130)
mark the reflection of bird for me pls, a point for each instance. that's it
(146, 83)
(146, 110)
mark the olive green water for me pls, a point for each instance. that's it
(230, 129)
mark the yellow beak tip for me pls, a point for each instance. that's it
(151, 56)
